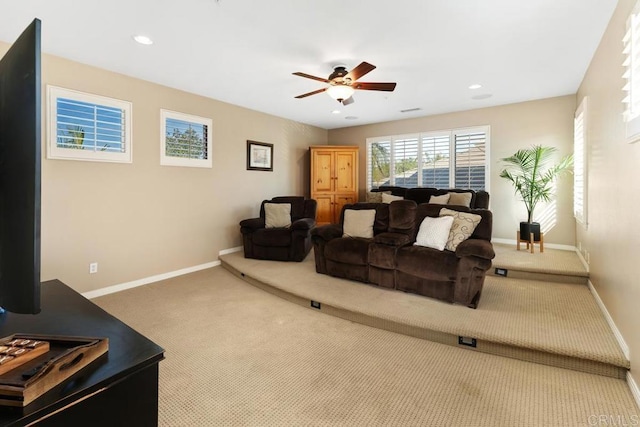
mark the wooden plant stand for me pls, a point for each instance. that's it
(530, 242)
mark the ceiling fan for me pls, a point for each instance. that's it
(342, 84)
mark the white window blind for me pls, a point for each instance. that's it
(186, 140)
(436, 160)
(631, 52)
(83, 126)
(579, 164)
(470, 160)
(441, 159)
(405, 161)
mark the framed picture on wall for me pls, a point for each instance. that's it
(259, 156)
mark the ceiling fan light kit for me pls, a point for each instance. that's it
(342, 84)
(340, 92)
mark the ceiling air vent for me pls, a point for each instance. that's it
(410, 110)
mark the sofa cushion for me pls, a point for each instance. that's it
(463, 225)
(460, 199)
(388, 198)
(348, 250)
(272, 237)
(440, 200)
(277, 215)
(434, 232)
(425, 262)
(358, 223)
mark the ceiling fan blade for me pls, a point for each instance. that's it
(387, 87)
(311, 93)
(360, 71)
(309, 76)
(348, 101)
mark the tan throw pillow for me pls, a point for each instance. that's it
(463, 225)
(358, 223)
(434, 232)
(277, 215)
(440, 200)
(460, 199)
(374, 197)
(388, 198)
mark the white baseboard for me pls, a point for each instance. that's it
(612, 325)
(546, 245)
(145, 281)
(584, 262)
(230, 250)
(635, 391)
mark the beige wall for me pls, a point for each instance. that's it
(142, 219)
(515, 126)
(611, 237)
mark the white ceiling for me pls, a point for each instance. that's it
(244, 51)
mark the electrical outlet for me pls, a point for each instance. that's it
(93, 268)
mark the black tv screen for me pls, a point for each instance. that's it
(20, 148)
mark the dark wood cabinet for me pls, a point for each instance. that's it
(120, 388)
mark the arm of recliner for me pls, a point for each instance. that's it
(327, 232)
(392, 239)
(303, 224)
(253, 223)
(475, 247)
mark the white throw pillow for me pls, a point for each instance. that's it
(358, 223)
(277, 215)
(388, 198)
(434, 232)
(440, 200)
(464, 224)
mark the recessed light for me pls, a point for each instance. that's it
(143, 40)
(335, 112)
(475, 86)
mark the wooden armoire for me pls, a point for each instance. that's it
(334, 180)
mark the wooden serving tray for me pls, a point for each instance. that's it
(65, 357)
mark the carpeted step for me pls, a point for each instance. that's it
(522, 319)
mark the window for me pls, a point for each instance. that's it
(82, 126)
(443, 159)
(185, 140)
(631, 52)
(580, 164)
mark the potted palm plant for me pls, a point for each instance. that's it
(533, 178)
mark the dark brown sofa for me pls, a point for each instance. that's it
(281, 244)
(390, 259)
(479, 199)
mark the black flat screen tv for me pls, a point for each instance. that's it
(20, 151)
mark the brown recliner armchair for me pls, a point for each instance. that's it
(291, 243)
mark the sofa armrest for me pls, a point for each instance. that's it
(254, 223)
(327, 232)
(303, 224)
(392, 239)
(475, 247)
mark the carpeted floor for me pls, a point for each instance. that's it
(236, 355)
(561, 319)
(551, 261)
